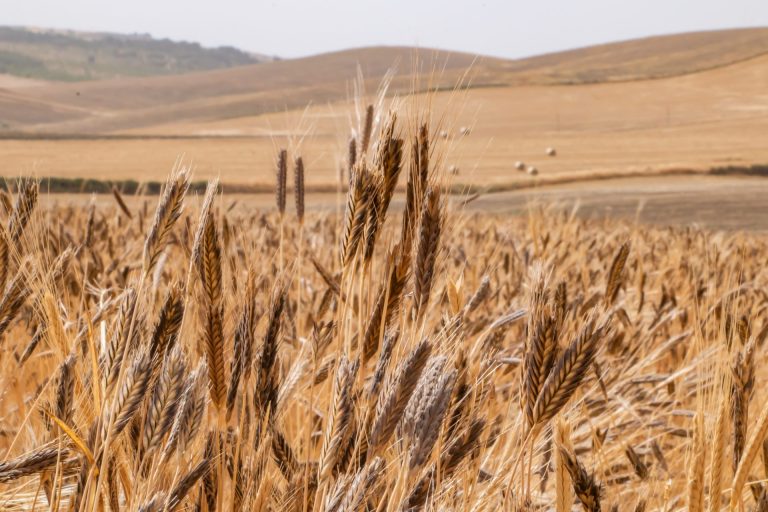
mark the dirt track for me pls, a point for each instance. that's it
(718, 203)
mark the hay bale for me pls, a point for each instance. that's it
(454, 169)
(532, 170)
(520, 166)
(551, 151)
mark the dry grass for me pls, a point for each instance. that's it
(189, 358)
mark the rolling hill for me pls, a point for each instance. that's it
(65, 55)
(138, 103)
(641, 59)
(128, 103)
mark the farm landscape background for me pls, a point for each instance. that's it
(689, 103)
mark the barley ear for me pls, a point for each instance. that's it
(615, 274)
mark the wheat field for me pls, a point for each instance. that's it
(198, 356)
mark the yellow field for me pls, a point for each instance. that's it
(694, 122)
(224, 357)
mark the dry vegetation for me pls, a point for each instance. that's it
(209, 358)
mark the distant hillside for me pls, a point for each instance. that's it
(127, 103)
(134, 103)
(640, 59)
(61, 55)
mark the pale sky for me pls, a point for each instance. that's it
(292, 28)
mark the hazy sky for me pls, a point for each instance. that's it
(290, 28)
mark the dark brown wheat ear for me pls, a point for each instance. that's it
(615, 274)
(265, 394)
(389, 159)
(30, 463)
(387, 302)
(395, 394)
(116, 349)
(587, 489)
(418, 179)
(65, 390)
(177, 495)
(213, 331)
(340, 419)
(121, 202)
(356, 214)
(167, 328)
(567, 373)
(538, 363)
(130, 394)
(351, 156)
(197, 243)
(13, 298)
(367, 130)
(282, 176)
(243, 345)
(26, 200)
(190, 411)
(298, 189)
(427, 251)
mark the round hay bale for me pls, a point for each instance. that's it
(551, 151)
(464, 131)
(520, 166)
(532, 170)
(443, 134)
(454, 169)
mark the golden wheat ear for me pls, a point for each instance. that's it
(395, 395)
(588, 490)
(164, 401)
(243, 345)
(185, 485)
(387, 304)
(168, 212)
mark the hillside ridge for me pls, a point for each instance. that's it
(72, 56)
